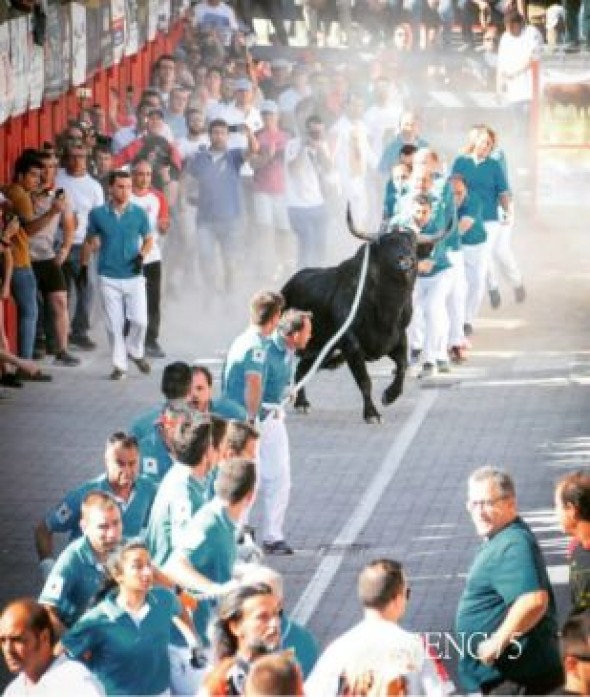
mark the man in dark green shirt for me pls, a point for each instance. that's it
(506, 615)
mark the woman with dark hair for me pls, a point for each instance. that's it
(124, 639)
(247, 627)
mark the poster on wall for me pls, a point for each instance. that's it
(78, 24)
(36, 71)
(93, 26)
(106, 38)
(163, 15)
(153, 9)
(6, 76)
(563, 155)
(143, 11)
(118, 29)
(66, 24)
(53, 54)
(132, 33)
(19, 58)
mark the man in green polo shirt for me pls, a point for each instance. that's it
(506, 615)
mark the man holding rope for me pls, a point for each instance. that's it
(292, 334)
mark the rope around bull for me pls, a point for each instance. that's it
(328, 347)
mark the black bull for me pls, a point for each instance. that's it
(379, 326)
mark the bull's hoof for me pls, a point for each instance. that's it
(373, 418)
(302, 409)
(390, 395)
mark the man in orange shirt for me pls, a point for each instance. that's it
(27, 178)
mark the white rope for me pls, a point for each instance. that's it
(328, 347)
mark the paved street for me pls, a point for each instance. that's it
(359, 491)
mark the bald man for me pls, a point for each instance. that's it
(27, 639)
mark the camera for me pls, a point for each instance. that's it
(59, 193)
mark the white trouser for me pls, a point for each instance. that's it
(124, 298)
(475, 258)
(456, 301)
(501, 255)
(184, 679)
(275, 476)
(430, 296)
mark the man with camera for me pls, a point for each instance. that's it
(217, 172)
(47, 264)
(308, 166)
(120, 230)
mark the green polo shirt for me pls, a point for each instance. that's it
(178, 499)
(506, 566)
(209, 543)
(73, 582)
(129, 655)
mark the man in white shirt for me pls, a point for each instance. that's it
(27, 639)
(218, 15)
(377, 649)
(84, 193)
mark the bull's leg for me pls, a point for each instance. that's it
(301, 403)
(399, 356)
(358, 368)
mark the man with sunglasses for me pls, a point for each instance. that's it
(506, 615)
(133, 492)
(377, 650)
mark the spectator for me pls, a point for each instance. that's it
(408, 134)
(122, 284)
(507, 610)
(309, 171)
(247, 627)
(155, 205)
(28, 643)
(26, 181)
(575, 653)
(103, 164)
(217, 15)
(217, 170)
(270, 212)
(297, 89)
(175, 114)
(85, 193)
(47, 265)
(295, 638)
(164, 77)
(133, 492)
(274, 675)
(377, 648)
(572, 505)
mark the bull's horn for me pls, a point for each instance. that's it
(353, 231)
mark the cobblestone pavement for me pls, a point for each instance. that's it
(359, 491)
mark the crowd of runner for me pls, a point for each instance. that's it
(225, 159)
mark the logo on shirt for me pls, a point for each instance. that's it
(150, 465)
(63, 513)
(258, 355)
(55, 587)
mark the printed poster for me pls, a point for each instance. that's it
(53, 54)
(36, 71)
(78, 29)
(118, 29)
(152, 28)
(93, 36)
(66, 22)
(19, 57)
(6, 75)
(106, 38)
(132, 25)
(163, 15)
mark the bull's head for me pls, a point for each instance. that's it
(405, 239)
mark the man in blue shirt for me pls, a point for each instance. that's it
(120, 230)
(217, 171)
(79, 572)
(201, 397)
(134, 494)
(207, 552)
(507, 614)
(244, 369)
(292, 334)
